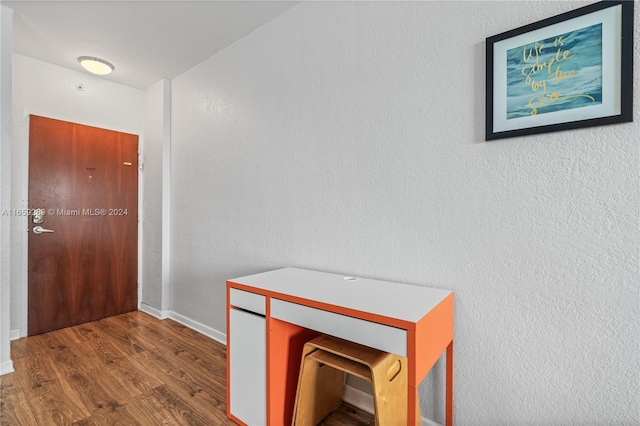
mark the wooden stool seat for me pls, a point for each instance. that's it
(326, 359)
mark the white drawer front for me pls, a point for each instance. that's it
(249, 301)
(379, 336)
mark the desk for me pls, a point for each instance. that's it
(271, 315)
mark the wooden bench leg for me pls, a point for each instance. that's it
(389, 380)
(319, 392)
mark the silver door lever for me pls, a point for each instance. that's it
(40, 230)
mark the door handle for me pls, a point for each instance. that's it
(40, 230)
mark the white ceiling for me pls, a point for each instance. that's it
(145, 40)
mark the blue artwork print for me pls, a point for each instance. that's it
(555, 74)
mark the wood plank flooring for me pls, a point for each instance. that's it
(131, 369)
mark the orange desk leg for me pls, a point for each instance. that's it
(412, 405)
(449, 410)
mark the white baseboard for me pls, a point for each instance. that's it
(364, 401)
(358, 398)
(210, 332)
(6, 368)
(153, 311)
(14, 334)
(199, 327)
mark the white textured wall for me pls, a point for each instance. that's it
(155, 280)
(43, 89)
(348, 137)
(152, 196)
(6, 46)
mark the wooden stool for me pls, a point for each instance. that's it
(326, 359)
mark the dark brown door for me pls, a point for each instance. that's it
(85, 180)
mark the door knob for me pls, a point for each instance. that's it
(37, 216)
(40, 230)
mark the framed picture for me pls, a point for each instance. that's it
(569, 71)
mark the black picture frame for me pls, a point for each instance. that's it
(569, 71)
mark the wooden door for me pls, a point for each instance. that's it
(86, 181)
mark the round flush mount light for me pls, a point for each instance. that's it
(96, 65)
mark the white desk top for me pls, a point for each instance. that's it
(394, 300)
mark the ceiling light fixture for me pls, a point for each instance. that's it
(96, 65)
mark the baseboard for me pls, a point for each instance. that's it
(14, 334)
(153, 311)
(358, 398)
(6, 368)
(210, 332)
(429, 422)
(199, 327)
(364, 401)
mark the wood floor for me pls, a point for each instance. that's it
(130, 369)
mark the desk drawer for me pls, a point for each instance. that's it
(249, 301)
(379, 336)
